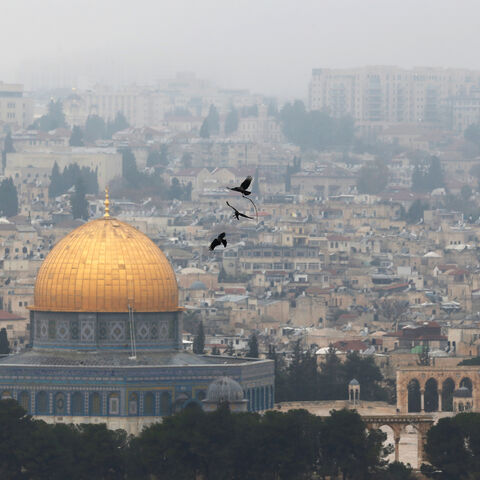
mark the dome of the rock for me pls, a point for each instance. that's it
(106, 266)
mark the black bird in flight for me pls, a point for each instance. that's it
(243, 188)
(238, 214)
(218, 241)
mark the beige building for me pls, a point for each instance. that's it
(387, 94)
(23, 165)
(15, 109)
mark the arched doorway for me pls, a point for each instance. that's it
(414, 402)
(448, 387)
(24, 400)
(408, 448)
(149, 404)
(431, 395)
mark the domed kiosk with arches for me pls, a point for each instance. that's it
(105, 330)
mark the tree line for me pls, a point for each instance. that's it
(193, 444)
(302, 379)
(61, 182)
(315, 129)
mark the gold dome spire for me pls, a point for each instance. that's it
(104, 266)
(107, 204)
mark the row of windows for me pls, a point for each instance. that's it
(80, 404)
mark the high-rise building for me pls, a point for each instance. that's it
(385, 94)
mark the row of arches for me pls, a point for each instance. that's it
(260, 398)
(103, 404)
(431, 398)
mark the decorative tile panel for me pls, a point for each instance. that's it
(87, 330)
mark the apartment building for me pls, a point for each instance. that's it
(387, 94)
(15, 109)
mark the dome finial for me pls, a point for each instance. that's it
(107, 204)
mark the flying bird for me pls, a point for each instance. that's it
(238, 214)
(218, 241)
(243, 188)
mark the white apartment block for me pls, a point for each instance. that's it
(15, 109)
(384, 94)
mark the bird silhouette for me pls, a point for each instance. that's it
(218, 241)
(243, 188)
(238, 214)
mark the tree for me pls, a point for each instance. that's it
(4, 343)
(8, 198)
(373, 178)
(252, 346)
(199, 340)
(424, 357)
(95, 128)
(119, 123)
(229, 351)
(76, 138)
(205, 130)
(466, 193)
(364, 369)
(15, 433)
(78, 201)
(54, 119)
(213, 120)
(129, 168)
(186, 160)
(55, 188)
(472, 134)
(7, 148)
(446, 451)
(231, 122)
(416, 211)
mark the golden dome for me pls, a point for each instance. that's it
(105, 266)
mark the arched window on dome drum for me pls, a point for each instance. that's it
(24, 401)
(149, 404)
(95, 404)
(59, 404)
(133, 404)
(77, 404)
(41, 407)
(165, 404)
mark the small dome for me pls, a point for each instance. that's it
(224, 389)
(462, 392)
(354, 382)
(197, 285)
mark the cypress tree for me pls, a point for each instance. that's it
(4, 344)
(8, 198)
(199, 341)
(78, 201)
(253, 346)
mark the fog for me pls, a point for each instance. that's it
(268, 46)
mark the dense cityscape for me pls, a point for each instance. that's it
(239, 241)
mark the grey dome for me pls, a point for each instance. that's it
(224, 389)
(354, 382)
(197, 285)
(462, 392)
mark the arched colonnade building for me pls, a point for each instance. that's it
(433, 389)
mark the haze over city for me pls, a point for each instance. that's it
(269, 46)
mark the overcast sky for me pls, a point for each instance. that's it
(268, 46)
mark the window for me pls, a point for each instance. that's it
(42, 403)
(77, 404)
(114, 404)
(149, 404)
(133, 404)
(165, 406)
(24, 400)
(95, 404)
